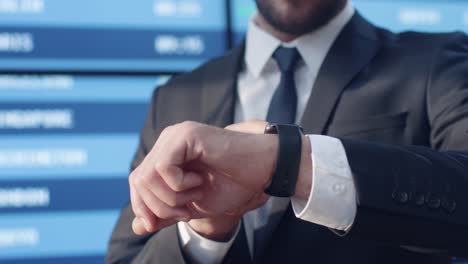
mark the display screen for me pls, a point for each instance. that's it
(66, 142)
(395, 15)
(110, 35)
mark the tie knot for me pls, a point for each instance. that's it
(286, 58)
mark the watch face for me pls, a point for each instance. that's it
(271, 128)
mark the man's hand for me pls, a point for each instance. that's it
(211, 166)
(196, 171)
(222, 227)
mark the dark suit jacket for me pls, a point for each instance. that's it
(399, 102)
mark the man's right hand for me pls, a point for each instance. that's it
(206, 192)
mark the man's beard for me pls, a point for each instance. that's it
(319, 14)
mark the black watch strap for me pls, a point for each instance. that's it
(284, 179)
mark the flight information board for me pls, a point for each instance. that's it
(396, 15)
(66, 142)
(110, 35)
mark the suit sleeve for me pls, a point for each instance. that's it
(162, 246)
(417, 197)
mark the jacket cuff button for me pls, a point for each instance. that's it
(418, 198)
(433, 202)
(400, 197)
(449, 205)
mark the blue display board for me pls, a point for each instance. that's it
(110, 35)
(66, 142)
(396, 15)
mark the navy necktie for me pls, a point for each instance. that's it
(282, 110)
(284, 102)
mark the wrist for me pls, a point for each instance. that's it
(256, 158)
(219, 229)
(271, 146)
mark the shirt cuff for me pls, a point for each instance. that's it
(332, 199)
(199, 249)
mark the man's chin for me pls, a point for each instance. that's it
(296, 19)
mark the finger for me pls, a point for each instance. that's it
(141, 211)
(146, 218)
(163, 211)
(139, 229)
(168, 196)
(176, 178)
(171, 154)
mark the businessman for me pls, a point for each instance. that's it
(383, 173)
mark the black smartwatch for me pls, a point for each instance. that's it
(284, 179)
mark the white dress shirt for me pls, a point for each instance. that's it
(332, 199)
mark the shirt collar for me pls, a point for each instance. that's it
(312, 46)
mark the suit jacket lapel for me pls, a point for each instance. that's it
(355, 46)
(219, 88)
